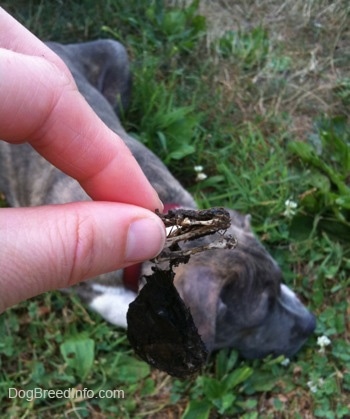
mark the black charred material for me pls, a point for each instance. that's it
(161, 329)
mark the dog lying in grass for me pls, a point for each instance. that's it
(236, 297)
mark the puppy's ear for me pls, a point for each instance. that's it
(200, 292)
(246, 223)
(240, 221)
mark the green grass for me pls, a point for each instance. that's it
(261, 101)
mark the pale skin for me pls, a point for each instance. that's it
(51, 247)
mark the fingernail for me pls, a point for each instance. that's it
(160, 205)
(145, 240)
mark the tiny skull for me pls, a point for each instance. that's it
(189, 225)
(211, 219)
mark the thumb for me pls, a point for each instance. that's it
(56, 246)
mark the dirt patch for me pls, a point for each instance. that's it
(308, 58)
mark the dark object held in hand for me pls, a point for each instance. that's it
(161, 329)
(160, 326)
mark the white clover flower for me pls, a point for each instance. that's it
(315, 386)
(201, 176)
(322, 342)
(285, 362)
(312, 386)
(290, 208)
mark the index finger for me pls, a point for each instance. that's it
(40, 104)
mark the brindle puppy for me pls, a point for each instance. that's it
(236, 297)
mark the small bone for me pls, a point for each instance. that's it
(226, 242)
(185, 225)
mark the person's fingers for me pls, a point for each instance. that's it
(15, 37)
(45, 248)
(40, 103)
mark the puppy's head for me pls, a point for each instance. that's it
(237, 298)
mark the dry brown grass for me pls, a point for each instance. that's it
(313, 35)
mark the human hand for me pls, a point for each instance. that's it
(50, 247)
